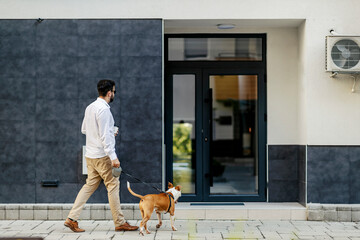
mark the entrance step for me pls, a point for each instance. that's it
(185, 211)
(248, 211)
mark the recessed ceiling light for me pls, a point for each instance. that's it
(225, 26)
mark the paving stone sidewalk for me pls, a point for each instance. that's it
(187, 229)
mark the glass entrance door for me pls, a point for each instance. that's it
(231, 146)
(216, 150)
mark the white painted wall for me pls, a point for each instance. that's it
(302, 99)
(305, 106)
(332, 111)
(282, 86)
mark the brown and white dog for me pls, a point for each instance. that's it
(161, 203)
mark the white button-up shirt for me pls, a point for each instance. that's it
(98, 126)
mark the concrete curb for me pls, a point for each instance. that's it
(333, 212)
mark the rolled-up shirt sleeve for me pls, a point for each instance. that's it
(106, 132)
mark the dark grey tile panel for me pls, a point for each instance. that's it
(148, 27)
(302, 175)
(19, 152)
(138, 152)
(59, 67)
(329, 174)
(329, 192)
(146, 171)
(149, 106)
(17, 193)
(57, 109)
(17, 28)
(141, 45)
(314, 193)
(18, 67)
(57, 28)
(141, 67)
(98, 67)
(141, 95)
(57, 88)
(60, 131)
(99, 46)
(138, 128)
(302, 163)
(328, 164)
(283, 164)
(283, 170)
(57, 161)
(64, 193)
(302, 193)
(283, 191)
(283, 152)
(354, 156)
(17, 110)
(17, 172)
(17, 131)
(141, 87)
(17, 46)
(55, 46)
(23, 89)
(99, 27)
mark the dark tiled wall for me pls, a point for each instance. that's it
(286, 173)
(333, 174)
(48, 75)
(302, 175)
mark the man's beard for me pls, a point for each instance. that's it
(112, 98)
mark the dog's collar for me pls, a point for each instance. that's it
(170, 195)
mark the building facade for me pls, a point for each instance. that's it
(241, 114)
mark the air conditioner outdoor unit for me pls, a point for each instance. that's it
(343, 54)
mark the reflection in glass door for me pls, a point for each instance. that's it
(233, 134)
(183, 132)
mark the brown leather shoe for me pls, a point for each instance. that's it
(73, 225)
(126, 227)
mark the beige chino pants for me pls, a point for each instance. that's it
(99, 168)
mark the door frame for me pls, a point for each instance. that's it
(201, 69)
(261, 141)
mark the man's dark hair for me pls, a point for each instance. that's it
(104, 86)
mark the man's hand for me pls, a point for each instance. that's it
(115, 163)
(116, 131)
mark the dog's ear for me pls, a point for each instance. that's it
(170, 185)
(178, 187)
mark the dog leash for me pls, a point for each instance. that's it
(157, 189)
(170, 202)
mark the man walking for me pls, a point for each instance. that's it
(98, 126)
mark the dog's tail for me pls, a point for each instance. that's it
(132, 193)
